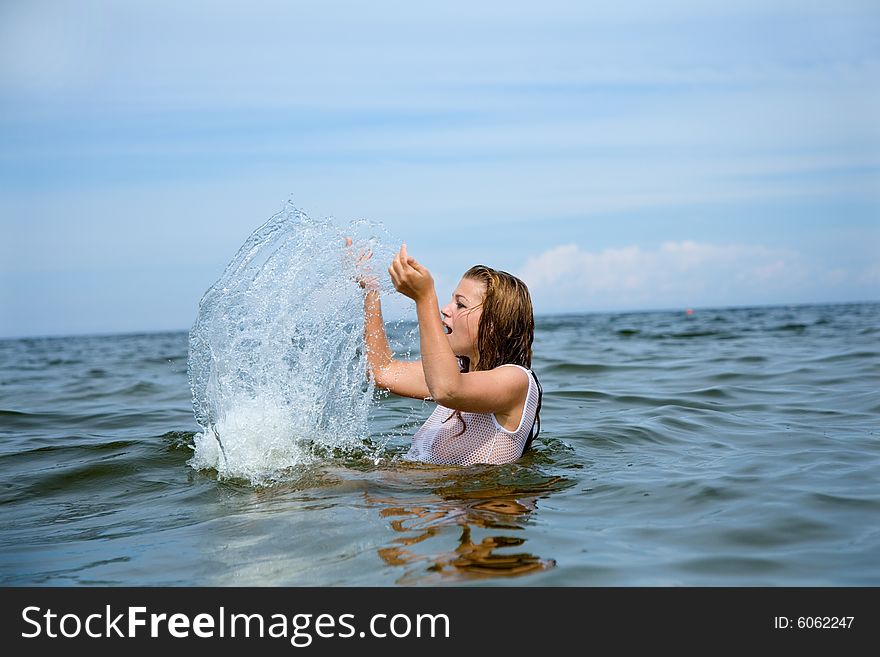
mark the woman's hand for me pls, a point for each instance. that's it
(409, 277)
(364, 274)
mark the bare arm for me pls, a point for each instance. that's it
(497, 391)
(404, 378)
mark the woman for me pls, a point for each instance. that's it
(475, 364)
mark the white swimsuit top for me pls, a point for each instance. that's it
(440, 439)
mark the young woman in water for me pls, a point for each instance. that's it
(475, 364)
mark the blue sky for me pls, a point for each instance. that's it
(616, 155)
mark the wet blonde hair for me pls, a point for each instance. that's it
(507, 326)
(506, 329)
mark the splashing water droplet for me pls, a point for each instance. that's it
(276, 362)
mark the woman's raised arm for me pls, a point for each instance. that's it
(404, 378)
(497, 391)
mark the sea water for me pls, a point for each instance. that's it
(727, 447)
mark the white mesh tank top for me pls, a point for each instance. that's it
(440, 439)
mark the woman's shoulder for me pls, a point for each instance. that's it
(516, 374)
(524, 369)
(530, 379)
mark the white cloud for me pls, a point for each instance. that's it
(674, 274)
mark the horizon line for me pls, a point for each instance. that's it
(548, 315)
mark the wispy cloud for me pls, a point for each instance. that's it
(675, 274)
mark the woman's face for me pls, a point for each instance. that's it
(461, 316)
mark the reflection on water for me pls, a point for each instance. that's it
(465, 530)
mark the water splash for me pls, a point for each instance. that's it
(276, 362)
